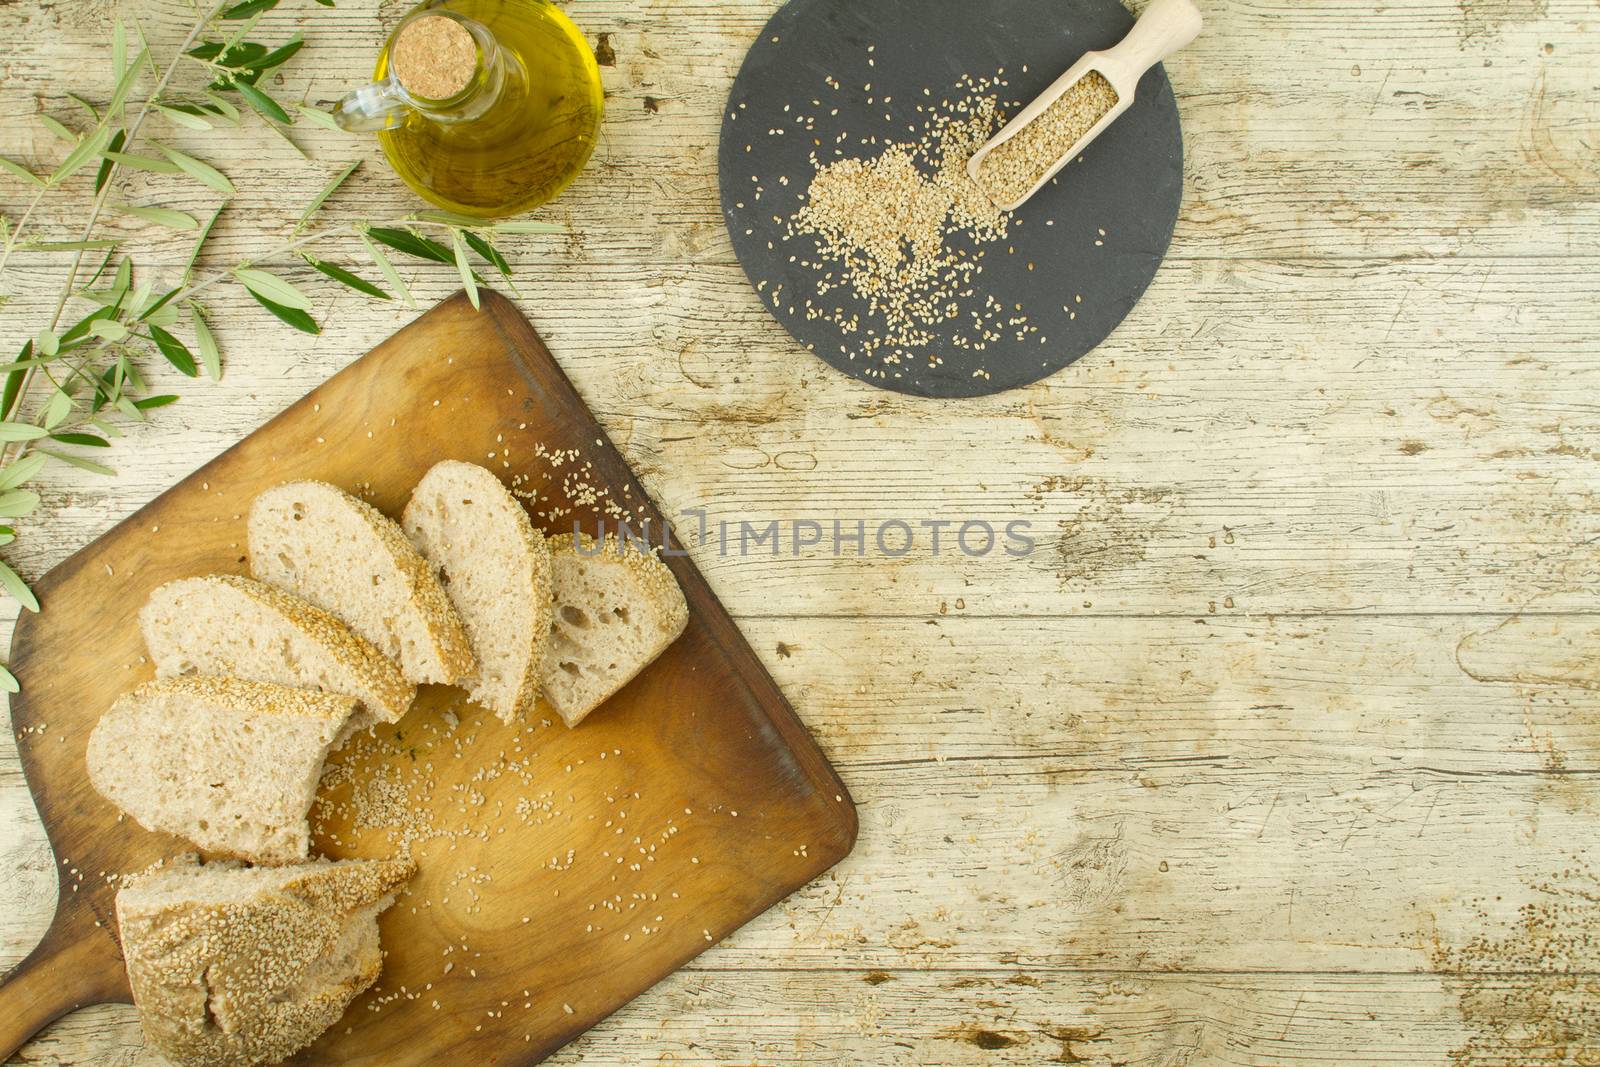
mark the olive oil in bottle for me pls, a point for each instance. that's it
(487, 108)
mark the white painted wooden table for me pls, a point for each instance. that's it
(1281, 751)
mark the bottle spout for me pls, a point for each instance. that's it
(380, 106)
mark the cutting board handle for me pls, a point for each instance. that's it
(76, 965)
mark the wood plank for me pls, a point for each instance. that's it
(1180, 865)
(1247, 697)
(1434, 130)
(1298, 796)
(1197, 462)
(846, 1017)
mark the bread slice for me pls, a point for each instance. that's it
(229, 764)
(230, 625)
(496, 568)
(346, 557)
(233, 967)
(616, 609)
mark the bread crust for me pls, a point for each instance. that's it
(391, 694)
(534, 560)
(252, 980)
(663, 600)
(424, 593)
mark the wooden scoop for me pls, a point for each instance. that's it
(1165, 27)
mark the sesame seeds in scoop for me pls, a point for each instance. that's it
(844, 147)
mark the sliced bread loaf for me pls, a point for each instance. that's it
(231, 765)
(496, 569)
(234, 967)
(616, 609)
(346, 557)
(229, 625)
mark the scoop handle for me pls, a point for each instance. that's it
(1165, 27)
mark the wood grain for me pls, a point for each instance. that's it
(692, 803)
(1370, 358)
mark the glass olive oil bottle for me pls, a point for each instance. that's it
(485, 107)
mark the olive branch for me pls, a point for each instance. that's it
(66, 392)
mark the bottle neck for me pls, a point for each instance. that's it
(439, 65)
(485, 86)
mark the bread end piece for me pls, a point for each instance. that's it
(617, 608)
(234, 967)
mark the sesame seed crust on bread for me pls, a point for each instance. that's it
(214, 625)
(445, 656)
(235, 967)
(655, 576)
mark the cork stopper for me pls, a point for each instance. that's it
(434, 57)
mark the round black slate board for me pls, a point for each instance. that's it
(1128, 183)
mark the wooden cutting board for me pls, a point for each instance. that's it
(562, 872)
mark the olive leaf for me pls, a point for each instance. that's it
(488, 252)
(277, 57)
(205, 234)
(206, 342)
(386, 268)
(20, 431)
(318, 117)
(344, 277)
(464, 268)
(86, 439)
(119, 49)
(56, 410)
(58, 129)
(115, 144)
(20, 471)
(119, 95)
(323, 194)
(94, 115)
(78, 461)
(189, 119)
(89, 148)
(263, 103)
(273, 288)
(16, 503)
(200, 171)
(18, 589)
(176, 352)
(249, 8)
(18, 170)
(222, 107)
(295, 317)
(412, 244)
(169, 217)
(149, 163)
